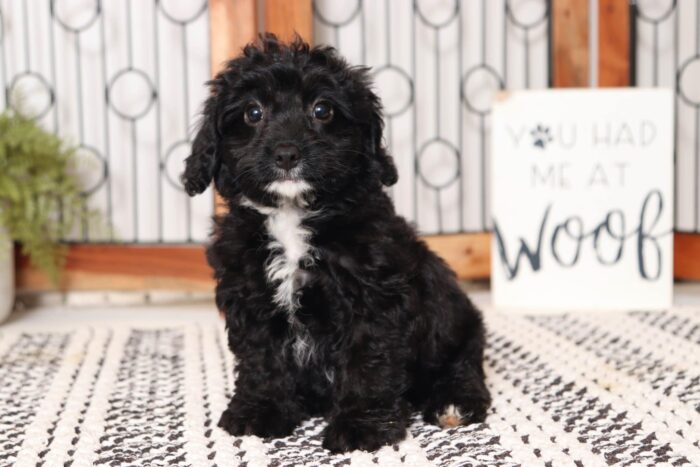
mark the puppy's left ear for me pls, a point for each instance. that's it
(384, 162)
(203, 163)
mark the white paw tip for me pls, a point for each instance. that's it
(450, 417)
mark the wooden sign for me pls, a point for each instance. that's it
(582, 184)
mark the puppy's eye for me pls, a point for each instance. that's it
(253, 114)
(322, 111)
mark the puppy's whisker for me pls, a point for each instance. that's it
(354, 151)
(243, 174)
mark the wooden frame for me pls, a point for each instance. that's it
(233, 24)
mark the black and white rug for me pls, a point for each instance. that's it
(568, 390)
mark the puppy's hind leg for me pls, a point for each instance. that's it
(459, 395)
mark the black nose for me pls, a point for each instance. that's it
(287, 156)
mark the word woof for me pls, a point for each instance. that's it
(571, 235)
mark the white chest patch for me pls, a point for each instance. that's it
(289, 246)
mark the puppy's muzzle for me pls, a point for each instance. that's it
(287, 156)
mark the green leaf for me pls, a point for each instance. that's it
(37, 185)
(10, 189)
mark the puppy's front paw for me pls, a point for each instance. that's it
(265, 420)
(347, 434)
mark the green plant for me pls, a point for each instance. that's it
(40, 195)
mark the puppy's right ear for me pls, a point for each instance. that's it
(203, 163)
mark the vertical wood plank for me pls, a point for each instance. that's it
(287, 17)
(232, 25)
(613, 43)
(570, 42)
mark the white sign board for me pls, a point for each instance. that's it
(583, 200)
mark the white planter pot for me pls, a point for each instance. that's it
(7, 277)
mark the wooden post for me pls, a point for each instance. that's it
(233, 24)
(570, 42)
(287, 17)
(613, 43)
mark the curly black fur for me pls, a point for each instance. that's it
(333, 306)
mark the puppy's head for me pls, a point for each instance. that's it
(286, 121)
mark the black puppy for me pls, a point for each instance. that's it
(333, 306)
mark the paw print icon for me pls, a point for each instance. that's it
(541, 136)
